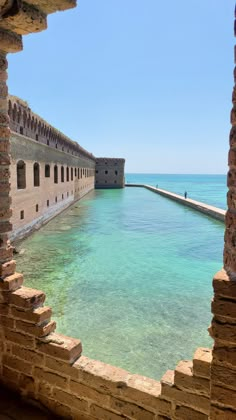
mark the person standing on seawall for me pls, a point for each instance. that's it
(185, 194)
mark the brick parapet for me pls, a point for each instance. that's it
(29, 124)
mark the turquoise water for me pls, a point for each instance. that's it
(129, 272)
(210, 189)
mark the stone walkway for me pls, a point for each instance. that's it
(12, 407)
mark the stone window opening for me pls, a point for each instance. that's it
(47, 142)
(62, 196)
(78, 174)
(21, 177)
(106, 172)
(71, 173)
(47, 203)
(75, 172)
(21, 130)
(62, 174)
(96, 171)
(37, 137)
(116, 172)
(36, 175)
(67, 174)
(55, 174)
(55, 199)
(47, 171)
(22, 215)
(37, 208)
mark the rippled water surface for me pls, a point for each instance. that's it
(129, 272)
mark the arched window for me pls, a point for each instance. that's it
(20, 171)
(78, 174)
(71, 174)
(36, 175)
(62, 174)
(55, 174)
(47, 171)
(75, 172)
(67, 174)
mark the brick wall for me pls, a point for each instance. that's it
(49, 368)
(40, 203)
(109, 173)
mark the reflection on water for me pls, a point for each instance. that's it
(130, 274)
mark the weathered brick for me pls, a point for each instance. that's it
(4, 144)
(17, 364)
(224, 330)
(5, 227)
(224, 396)
(18, 338)
(7, 322)
(6, 254)
(62, 367)
(12, 282)
(101, 413)
(225, 354)
(131, 410)
(107, 379)
(10, 375)
(27, 384)
(170, 392)
(27, 298)
(36, 316)
(28, 355)
(223, 286)
(184, 379)
(60, 346)
(55, 407)
(45, 389)
(36, 330)
(8, 268)
(5, 132)
(185, 413)
(4, 309)
(51, 378)
(70, 400)
(142, 390)
(202, 362)
(224, 307)
(219, 413)
(223, 375)
(86, 392)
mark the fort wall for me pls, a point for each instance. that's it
(62, 179)
(109, 173)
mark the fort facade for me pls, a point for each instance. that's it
(49, 171)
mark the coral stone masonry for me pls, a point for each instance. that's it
(48, 368)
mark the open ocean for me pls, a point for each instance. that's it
(130, 272)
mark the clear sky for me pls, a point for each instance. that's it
(149, 81)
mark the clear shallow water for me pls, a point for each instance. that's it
(129, 273)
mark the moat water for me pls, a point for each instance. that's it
(130, 272)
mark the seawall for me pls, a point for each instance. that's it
(210, 211)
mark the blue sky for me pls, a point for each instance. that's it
(148, 81)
